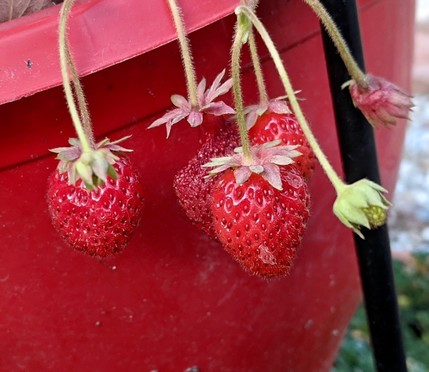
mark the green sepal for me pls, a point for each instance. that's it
(112, 172)
(92, 167)
(361, 204)
(245, 26)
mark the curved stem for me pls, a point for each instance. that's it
(237, 92)
(331, 28)
(80, 96)
(263, 96)
(327, 167)
(191, 80)
(67, 66)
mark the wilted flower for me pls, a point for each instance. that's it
(382, 102)
(361, 204)
(206, 104)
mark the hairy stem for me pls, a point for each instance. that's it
(263, 96)
(237, 92)
(191, 80)
(68, 70)
(327, 167)
(80, 96)
(331, 28)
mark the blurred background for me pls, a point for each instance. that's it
(409, 229)
(409, 222)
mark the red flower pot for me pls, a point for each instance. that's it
(173, 299)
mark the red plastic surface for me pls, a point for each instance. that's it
(173, 299)
(107, 32)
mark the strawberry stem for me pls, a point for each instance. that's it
(191, 80)
(263, 96)
(260, 81)
(336, 181)
(237, 91)
(81, 122)
(331, 28)
(80, 95)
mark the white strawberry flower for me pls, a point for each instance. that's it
(206, 105)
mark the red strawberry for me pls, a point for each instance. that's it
(193, 188)
(97, 220)
(271, 126)
(260, 209)
(260, 226)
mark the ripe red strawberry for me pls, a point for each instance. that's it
(260, 205)
(271, 126)
(259, 225)
(193, 188)
(99, 221)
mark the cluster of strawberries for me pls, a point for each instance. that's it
(247, 185)
(259, 220)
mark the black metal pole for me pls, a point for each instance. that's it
(358, 152)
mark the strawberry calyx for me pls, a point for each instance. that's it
(206, 105)
(266, 160)
(361, 203)
(91, 166)
(277, 105)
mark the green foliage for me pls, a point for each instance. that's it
(412, 282)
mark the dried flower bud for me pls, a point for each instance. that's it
(382, 102)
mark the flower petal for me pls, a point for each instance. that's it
(195, 119)
(251, 118)
(279, 107)
(211, 91)
(215, 90)
(100, 166)
(223, 89)
(242, 174)
(218, 109)
(171, 116)
(201, 89)
(67, 153)
(272, 175)
(180, 102)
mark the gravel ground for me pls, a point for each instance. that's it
(409, 219)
